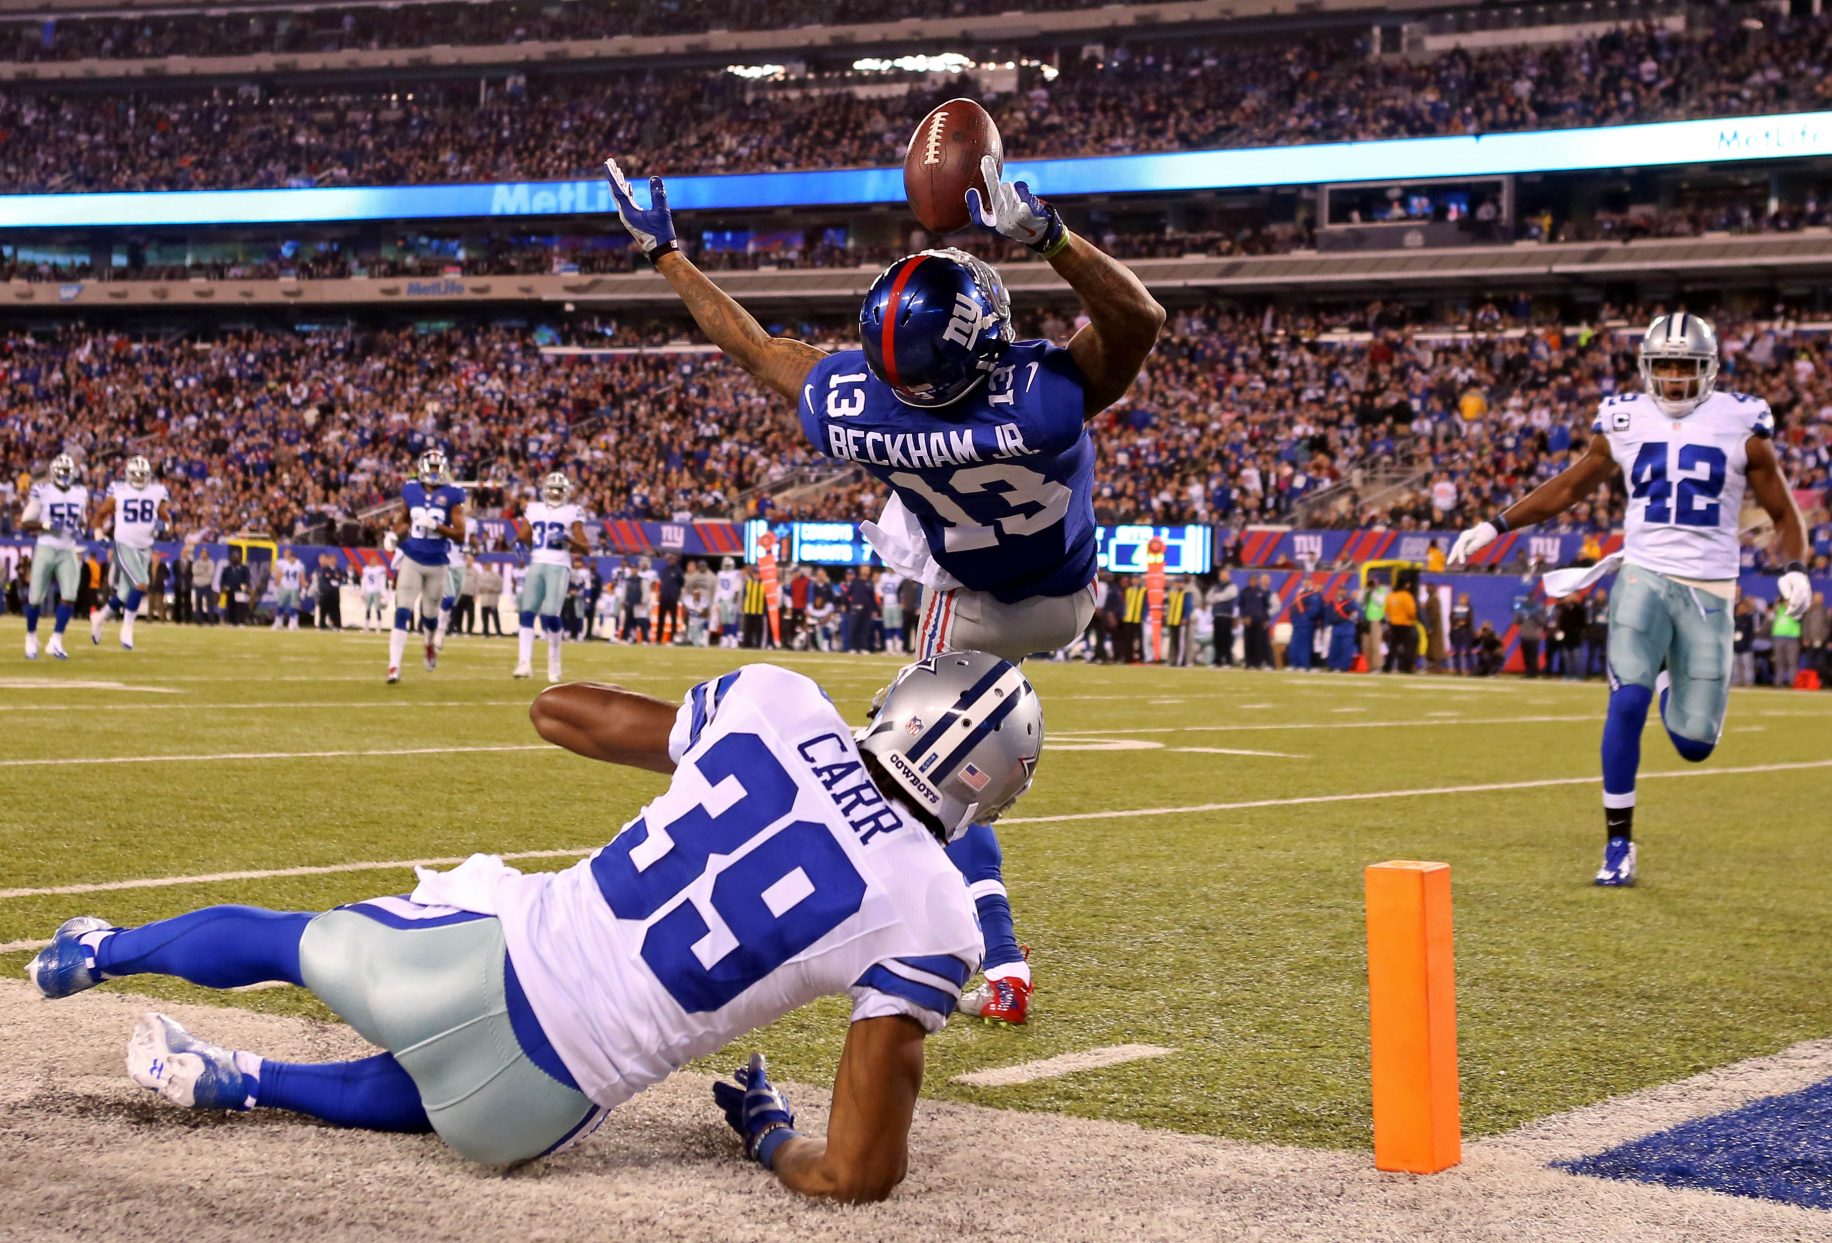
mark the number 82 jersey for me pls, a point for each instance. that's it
(1686, 478)
(1001, 481)
(771, 872)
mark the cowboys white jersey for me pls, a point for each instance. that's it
(136, 512)
(730, 583)
(549, 530)
(1686, 478)
(375, 579)
(62, 511)
(291, 573)
(770, 873)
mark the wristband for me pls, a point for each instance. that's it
(768, 1140)
(1794, 567)
(1500, 523)
(1055, 236)
(655, 256)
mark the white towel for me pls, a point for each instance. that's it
(471, 886)
(899, 540)
(1577, 577)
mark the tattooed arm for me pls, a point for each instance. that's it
(782, 363)
(1123, 320)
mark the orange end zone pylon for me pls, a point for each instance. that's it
(1412, 1013)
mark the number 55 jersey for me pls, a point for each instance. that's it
(1686, 478)
(771, 872)
(1001, 481)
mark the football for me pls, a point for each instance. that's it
(943, 160)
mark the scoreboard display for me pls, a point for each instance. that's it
(811, 543)
(1187, 549)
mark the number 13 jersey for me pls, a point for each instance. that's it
(1686, 478)
(1001, 481)
(771, 872)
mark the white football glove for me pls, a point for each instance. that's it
(1796, 592)
(1012, 210)
(390, 541)
(1472, 542)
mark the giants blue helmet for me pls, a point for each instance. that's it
(933, 325)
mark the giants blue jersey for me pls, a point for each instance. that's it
(424, 512)
(1001, 481)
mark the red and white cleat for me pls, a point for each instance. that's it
(394, 674)
(432, 655)
(1005, 1000)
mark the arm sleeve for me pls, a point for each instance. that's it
(926, 988)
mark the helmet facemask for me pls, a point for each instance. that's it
(1679, 363)
(556, 489)
(139, 472)
(63, 470)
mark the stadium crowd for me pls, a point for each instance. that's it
(1193, 94)
(1244, 415)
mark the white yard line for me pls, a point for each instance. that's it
(16, 947)
(1278, 755)
(275, 704)
(1424, 792)
(1061, 1064)
(327, 869)
(1122, 730)
(58, 684)
(268, 755)
(1116, 814)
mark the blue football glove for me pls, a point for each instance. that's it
(652, 227)
(1015, 212)
(757, 1110)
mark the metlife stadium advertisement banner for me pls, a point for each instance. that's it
(1786, 136)
(1122, 549)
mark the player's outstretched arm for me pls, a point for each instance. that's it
(865, 1153)
(1549, 500)
(781, 363)
(606, 723)
(1777, 500)
(580, 544)
(1123, 318)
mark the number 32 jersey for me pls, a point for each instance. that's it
(770, 873)
(1686, 478)
(1001, 481)
(550, 531)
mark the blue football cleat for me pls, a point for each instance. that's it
(163, 1057)
(1618, 870)
(66, 966)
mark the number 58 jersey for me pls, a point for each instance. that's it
(1001, 481)
(1686, 478)
(771, 872)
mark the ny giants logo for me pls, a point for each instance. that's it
(966, 322)
(931, 145)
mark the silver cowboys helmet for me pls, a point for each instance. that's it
(432, 470)
(63, 470)
(556, 489)
(959, 735)
(1685, 349)
(139, 471)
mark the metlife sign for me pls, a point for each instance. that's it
(1737, 140)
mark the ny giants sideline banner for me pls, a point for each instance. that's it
(1281, 546)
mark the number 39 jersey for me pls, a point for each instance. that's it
(1686, 478)
(770, 873)
(550, 532)
(1001, 481)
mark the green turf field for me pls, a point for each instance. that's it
(1229, 933)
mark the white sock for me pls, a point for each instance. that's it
(554, 639)
(1010, 971)
(445, 617)
(250, 1066)
(397, 643)
(525, 638)
(127, 628)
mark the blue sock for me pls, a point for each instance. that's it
(373, 1093)
(527, 620)
(403, 619)
(1628, 713)
(134, 598)
(31, 619)
(551, 625)
(114, 604)
(429, 624)
(976, 853)
(217, 947)
(446, 602)
(63, 616)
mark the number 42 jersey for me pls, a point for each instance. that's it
(770, 873)
(1001, 481)
(1686, 478)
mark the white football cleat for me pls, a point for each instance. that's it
(95, 626)
(56, 647)
(193, 1074)
(31, 647)
(553, 671)
(438, 640)
(524, 671)
(394, 674)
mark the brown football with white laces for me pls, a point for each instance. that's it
(943, 161)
